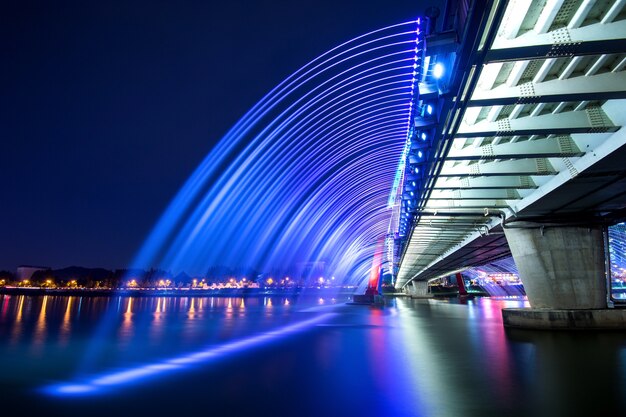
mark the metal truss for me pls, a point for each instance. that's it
(548, 103)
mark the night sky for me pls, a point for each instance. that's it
(107, 107)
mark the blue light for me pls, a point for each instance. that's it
(419, 154)
(437, 70)
(413, 183)
(312, 208)
(423, 136)
(417, 170)
(107, 382)
(429, 109)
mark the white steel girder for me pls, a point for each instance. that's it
(611, 85)
(501, 194)
(488, 183)
(590, 120)
(467, 204)
(593, 39)
(615, 110)
(420, 264)
(531, 166)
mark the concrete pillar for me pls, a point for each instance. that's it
(419, 289)
(561, 267)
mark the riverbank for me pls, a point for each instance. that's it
(183, 292)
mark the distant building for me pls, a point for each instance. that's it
(26, 271)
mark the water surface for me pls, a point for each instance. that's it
(278, 356)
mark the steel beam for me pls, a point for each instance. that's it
(535, 166)
(474, 204)
(594, 39)
(615, 141)
(591, 120)
(598, 87)
(500, 194)
(557, 147)
(486, 183)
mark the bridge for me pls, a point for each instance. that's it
(521, 150)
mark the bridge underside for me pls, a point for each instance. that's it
(529, 131)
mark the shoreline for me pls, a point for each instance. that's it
(230, 292)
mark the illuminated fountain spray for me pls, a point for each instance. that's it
(309, 174)
(314, 172)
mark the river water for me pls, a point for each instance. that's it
(278, 356)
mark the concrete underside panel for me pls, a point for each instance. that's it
(560, 267)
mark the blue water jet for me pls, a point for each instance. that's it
(313, 173)
(306, 175)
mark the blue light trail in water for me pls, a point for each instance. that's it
(306, 175)
(101, 384)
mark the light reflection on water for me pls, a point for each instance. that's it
(412, 357)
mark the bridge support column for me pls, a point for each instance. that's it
(419, 289)
(563, 272)
(561, 267)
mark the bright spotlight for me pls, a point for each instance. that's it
(429, 109)
(437, 70)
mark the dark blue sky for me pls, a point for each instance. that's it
(107, 107)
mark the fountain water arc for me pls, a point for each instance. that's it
(307, 173)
